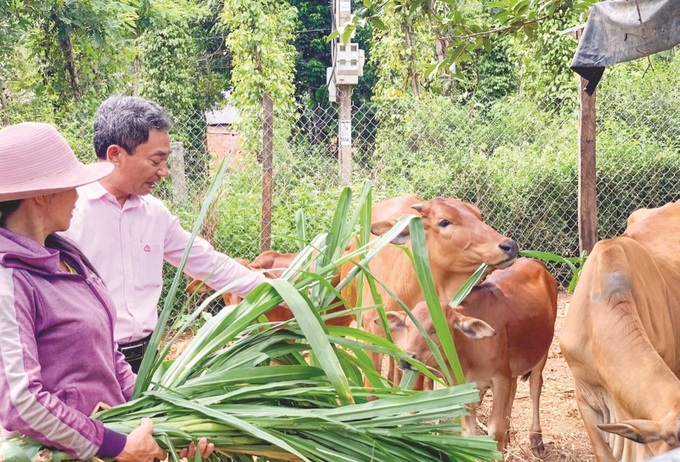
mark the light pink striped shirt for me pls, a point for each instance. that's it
(127, 246)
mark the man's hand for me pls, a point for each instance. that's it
(140, 445)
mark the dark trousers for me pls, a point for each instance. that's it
(134, 352)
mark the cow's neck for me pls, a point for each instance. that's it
(448, 284)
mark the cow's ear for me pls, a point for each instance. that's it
(381, 227)
(638, 430)
(473, 327)
(396, 320)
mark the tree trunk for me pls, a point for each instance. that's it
(67, 51)
(412, 71)
(3, 104)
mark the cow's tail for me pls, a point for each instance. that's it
(526, 376)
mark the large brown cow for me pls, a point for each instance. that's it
(520, 304)
(458, 242)
(621, 339)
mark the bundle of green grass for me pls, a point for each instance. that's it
(294, 390)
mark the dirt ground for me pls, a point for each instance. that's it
(564, 436)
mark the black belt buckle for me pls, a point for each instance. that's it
(133, 351)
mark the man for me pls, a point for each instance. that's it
(127, 233)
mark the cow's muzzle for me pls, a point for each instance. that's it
(511, 249)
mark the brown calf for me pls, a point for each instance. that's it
(520, 304)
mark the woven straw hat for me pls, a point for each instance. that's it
(36, 160)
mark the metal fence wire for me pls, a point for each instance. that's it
(515, 159)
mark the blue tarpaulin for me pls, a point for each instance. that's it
(623, 30)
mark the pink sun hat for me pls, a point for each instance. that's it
(36, 160)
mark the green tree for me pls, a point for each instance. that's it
(76, 49)
(461, 34)
(261, 35)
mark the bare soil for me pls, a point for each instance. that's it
(564, 435)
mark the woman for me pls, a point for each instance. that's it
(58, 360)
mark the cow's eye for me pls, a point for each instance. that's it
(444, 223)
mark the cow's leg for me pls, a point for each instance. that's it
(591, 417)
(535, 387)
(469, 421)
(508, 406)
(499, 425)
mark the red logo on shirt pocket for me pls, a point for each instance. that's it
(147, 248)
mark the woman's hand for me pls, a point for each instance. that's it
(140, 445)
(204, 448)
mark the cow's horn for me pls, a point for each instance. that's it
(418, 207)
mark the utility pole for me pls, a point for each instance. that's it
(348, 66)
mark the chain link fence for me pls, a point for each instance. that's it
(515, 159)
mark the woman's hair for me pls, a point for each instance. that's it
(57, 242)
(6, 209)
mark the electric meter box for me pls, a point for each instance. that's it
(349, 64)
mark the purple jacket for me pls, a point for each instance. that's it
(58, 359)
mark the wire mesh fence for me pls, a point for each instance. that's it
(515, 159)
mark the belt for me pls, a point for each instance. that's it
(136, 349)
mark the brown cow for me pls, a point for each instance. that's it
(458, 242)
(273, 263)
(621, 339)
(197, 286)
(520, 304)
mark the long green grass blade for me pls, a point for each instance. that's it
(575, 264)
(467, 287)
(150, 360)
(422, 266)
(314, 329)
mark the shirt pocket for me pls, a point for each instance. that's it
(149, 265)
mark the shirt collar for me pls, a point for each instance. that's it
(95, 191)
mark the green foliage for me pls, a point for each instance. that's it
(638, 138)
(260, 40)
(517, 161)
(300, 178)
(76, 50)
(238, 211)
(544, 58)
(469, 26)
(313, 53)
(496, 75)
(169, 57)
(400, 49)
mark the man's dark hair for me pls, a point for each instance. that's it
(127, 121)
